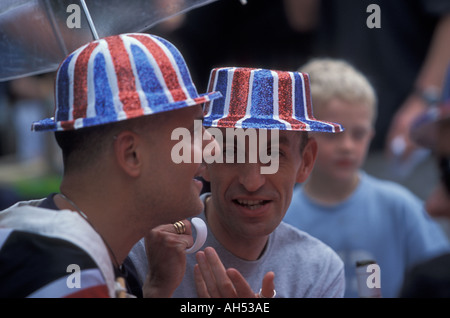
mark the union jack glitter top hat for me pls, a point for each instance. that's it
(424, 128)
(120, 77)
(261, 98)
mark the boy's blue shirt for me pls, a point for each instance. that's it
(381, 220)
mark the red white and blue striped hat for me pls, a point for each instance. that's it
(261, 98)
(120, 77)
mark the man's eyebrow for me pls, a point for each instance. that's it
(283, 140)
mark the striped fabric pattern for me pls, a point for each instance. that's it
(263, 99)
(120, 77)
(36, 266)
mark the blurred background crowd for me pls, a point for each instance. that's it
(404, 57)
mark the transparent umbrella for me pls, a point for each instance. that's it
(36, 35)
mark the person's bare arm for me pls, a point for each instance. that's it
(429, 80)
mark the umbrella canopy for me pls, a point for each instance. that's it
(36, 35)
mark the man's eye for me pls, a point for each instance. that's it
(274, 153)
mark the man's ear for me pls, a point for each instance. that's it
(309, 155)
(127, 152)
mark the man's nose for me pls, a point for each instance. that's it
(250, 176)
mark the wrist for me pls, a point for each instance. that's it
(149, 291)
(156, 289)
(430, 95)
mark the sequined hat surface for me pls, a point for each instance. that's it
(260, 98)
(120, 77)
(424, 128)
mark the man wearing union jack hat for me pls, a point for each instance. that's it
(249, 248)
(118, 99)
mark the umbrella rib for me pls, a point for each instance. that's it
(89, 19)
(55, 29)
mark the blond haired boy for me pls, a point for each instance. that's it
(361, 217)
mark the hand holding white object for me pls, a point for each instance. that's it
(202, 233)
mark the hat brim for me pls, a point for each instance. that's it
(49, 124)
(258, 123)
(424, 128)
